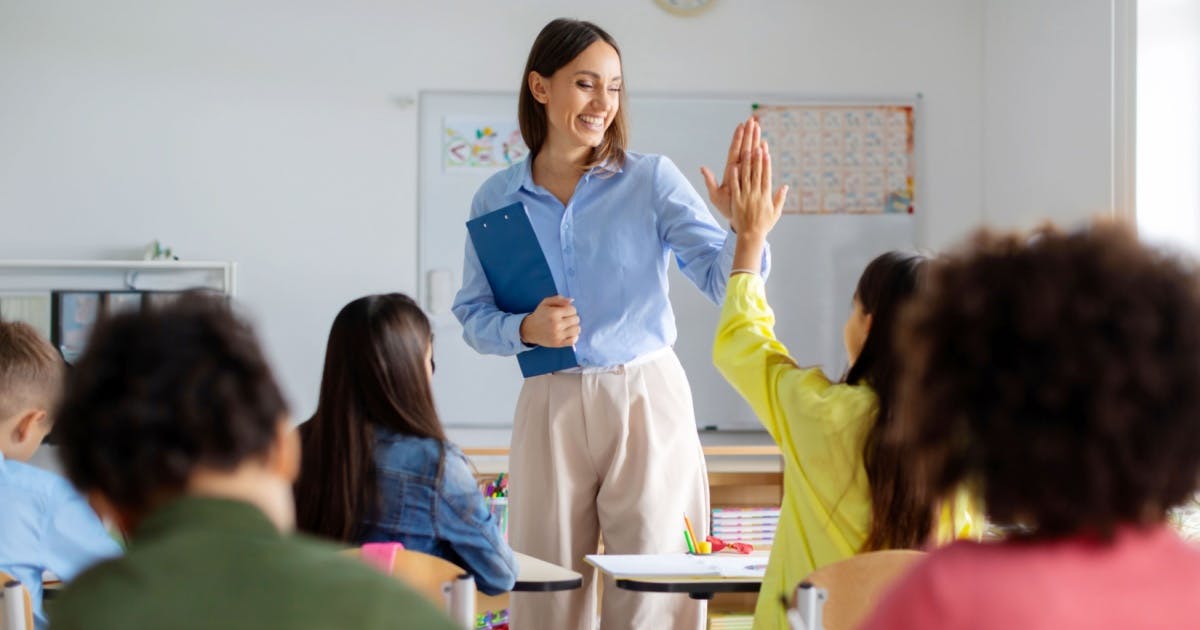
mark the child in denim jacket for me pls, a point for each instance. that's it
(377, 464)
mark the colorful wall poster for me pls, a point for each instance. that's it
(472, 143)
(842, 159)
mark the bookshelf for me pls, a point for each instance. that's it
(28, 287)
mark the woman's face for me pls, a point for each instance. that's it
(854, 333)
(581, 98)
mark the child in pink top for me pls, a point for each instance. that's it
(1059, 376)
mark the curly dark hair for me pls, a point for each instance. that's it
(1058, 376)
(162, 392)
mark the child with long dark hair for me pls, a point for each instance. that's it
(846, 490)
(377, 464)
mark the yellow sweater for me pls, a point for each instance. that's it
(820, 427)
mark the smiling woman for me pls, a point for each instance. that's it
(608, 448)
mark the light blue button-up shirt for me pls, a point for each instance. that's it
(609, 249)
(46, 525)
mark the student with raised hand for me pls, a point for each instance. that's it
(609, 449)
(377, 464)
(1059, 374)
(45, 525)
(174, 426)
(845, 489)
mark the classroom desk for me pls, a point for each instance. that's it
(534, 575)
(696, 587)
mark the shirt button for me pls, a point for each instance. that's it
(571, 272)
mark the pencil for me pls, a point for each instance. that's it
(691, 532)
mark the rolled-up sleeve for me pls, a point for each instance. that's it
(703, 250)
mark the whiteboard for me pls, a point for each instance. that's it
(816, 258)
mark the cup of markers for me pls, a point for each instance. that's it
(496, 495)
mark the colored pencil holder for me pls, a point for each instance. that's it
(498, 506)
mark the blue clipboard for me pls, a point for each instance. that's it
(516, 268)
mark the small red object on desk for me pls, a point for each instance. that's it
(718, 545)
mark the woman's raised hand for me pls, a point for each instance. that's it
(755, 209)
(746, 136)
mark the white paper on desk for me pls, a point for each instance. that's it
(678, 565)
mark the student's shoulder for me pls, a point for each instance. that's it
(38, 484)
(411, 453)
(88, 601)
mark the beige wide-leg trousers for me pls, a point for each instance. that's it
(610, 456)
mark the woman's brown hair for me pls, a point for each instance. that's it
(375, 376)
(900, 519)
(560, 42)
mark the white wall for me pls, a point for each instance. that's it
(1047, 110)
(265, 132)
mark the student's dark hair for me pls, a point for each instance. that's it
(557, 45)
(162, 392)
(899, 518)
(375, 376)
(1059, 377)
(31, 370)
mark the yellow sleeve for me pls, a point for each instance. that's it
(799, 407)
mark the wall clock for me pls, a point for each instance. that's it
(685, 7)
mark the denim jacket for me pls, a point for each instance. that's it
(432, 503)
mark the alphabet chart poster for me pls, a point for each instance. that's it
(842, 159)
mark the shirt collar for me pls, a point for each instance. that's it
(522, 175)
(192, 513)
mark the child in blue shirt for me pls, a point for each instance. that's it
(44, 523)
(377, 464)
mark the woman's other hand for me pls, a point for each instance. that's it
(553, 324)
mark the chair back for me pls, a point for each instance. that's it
(425, 574)
(857, 583)
(17, 611)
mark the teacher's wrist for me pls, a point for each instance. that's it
(521, 335)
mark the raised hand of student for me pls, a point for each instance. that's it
(746, 136)
(553, 324)
(755, 209)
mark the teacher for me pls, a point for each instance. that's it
(607, 450)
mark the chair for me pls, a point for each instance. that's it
(16, 610)
(426, 574)
(856, 584)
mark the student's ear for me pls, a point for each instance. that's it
(284, 459)
(539, 87)
(31, 425)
